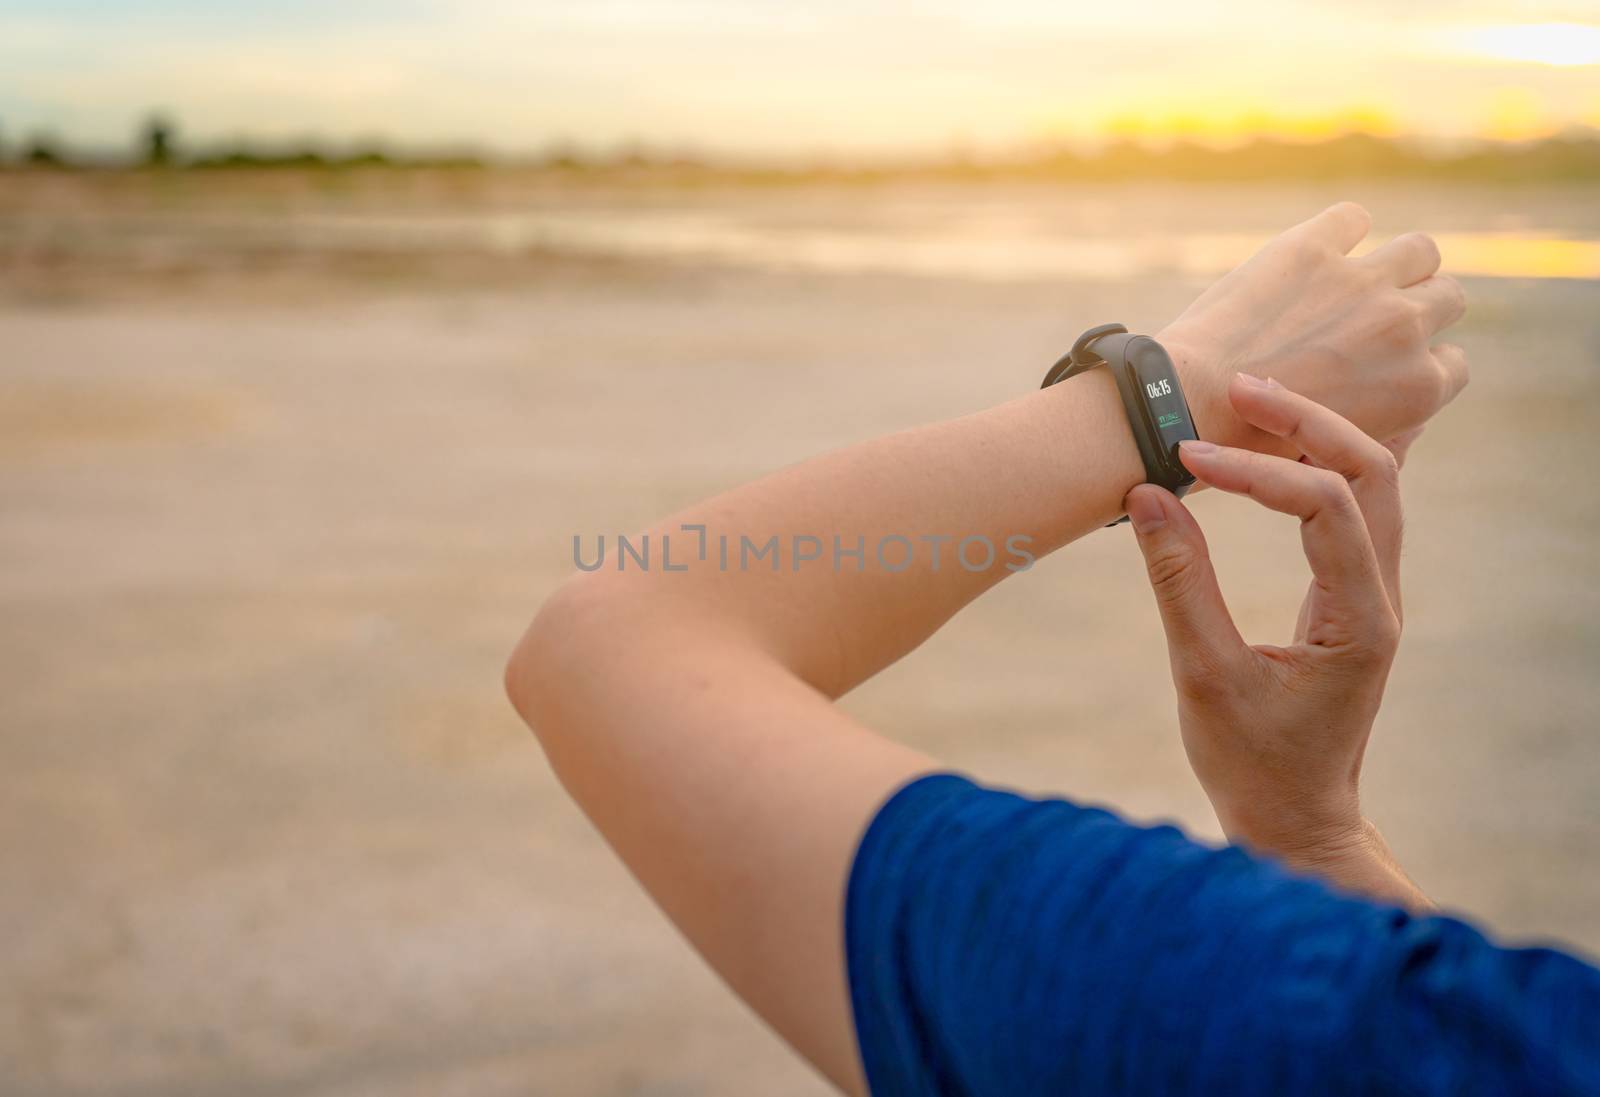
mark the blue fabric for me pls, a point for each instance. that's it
(1008, 946)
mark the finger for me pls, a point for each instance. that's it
(1400, 445)
(1453, 361)
(1441, 299)
(1332, 530)
(1341, 226)
(1333, 442)
(1201, 637)
(1405, 260)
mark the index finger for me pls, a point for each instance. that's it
(1332, 530)
(1333, 442)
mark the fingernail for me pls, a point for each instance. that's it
(1272, 383)
(1144, 511)
(1252, 380)
(1197, 446)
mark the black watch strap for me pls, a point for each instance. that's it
(1157, 412)
(1083, 355)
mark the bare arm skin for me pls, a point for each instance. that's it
(688, 712)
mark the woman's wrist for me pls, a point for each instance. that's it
(1087, 411)
(1332, 833)
(1205, 376)
(1334, 849)
(1350, 854)
(1368, 867)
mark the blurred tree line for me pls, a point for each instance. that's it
(1573, 156)
(156, 148)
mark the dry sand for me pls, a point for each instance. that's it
(268, 529)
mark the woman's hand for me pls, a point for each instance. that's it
(1352, 334)
(1276, 735)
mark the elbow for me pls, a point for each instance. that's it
(520, 676)
(555, 654)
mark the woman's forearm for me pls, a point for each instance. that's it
(842, 564)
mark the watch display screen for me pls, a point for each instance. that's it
(1169, 412)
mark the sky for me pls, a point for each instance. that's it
(779, 77)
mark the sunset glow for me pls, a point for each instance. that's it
(1543, 43)
(834, 77)
(1225, 124)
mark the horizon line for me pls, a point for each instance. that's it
(156, 140)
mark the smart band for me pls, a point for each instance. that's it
(1157, 412)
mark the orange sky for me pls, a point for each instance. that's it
(825, 76)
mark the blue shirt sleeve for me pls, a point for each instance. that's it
(1003, 945)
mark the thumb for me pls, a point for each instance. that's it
(1201, 636)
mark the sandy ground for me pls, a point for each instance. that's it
(267, 824)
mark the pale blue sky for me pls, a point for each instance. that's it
(782, 77)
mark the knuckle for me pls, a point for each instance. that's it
(1401, 323)
(1389, 635)
(1330, 485)
(1423, 246)
(1172, 571)
(1379, 643)
(1382, 466)
(1307, 247)
(1332, 491)
(1315, 250)
(1426, 387)
(1412, 323)
(1453, 362)
(1444, 384)
(1370, 275)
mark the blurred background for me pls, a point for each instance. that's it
(325, 328)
